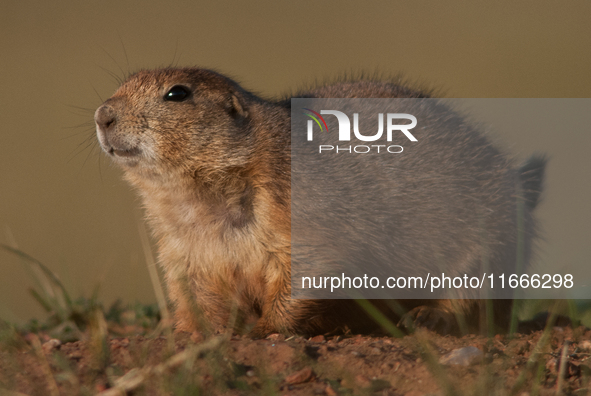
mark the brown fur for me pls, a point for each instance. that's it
(214, 175)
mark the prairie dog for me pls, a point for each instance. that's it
(211, 162)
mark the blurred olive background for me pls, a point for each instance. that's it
(65, 204)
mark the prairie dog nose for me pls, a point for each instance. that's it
(104, 117)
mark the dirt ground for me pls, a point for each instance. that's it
(544, 363)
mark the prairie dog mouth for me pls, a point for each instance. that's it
(111, 149)
(124, 152)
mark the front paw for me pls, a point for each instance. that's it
(431, 318)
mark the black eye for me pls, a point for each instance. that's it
(178, 93)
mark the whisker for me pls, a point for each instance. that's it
(119, 79)
(125, 75)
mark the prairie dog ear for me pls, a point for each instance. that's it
(237, 107)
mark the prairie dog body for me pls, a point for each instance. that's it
(212, 164)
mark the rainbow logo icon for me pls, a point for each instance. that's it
(315, 116)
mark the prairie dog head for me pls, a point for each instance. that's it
(176, 121)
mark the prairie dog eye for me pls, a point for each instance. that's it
(178, 93)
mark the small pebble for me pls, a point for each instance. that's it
(585, 345)
(275, 337)
(300, 377)
(51, 344)
(318, 338)
(466, 356)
